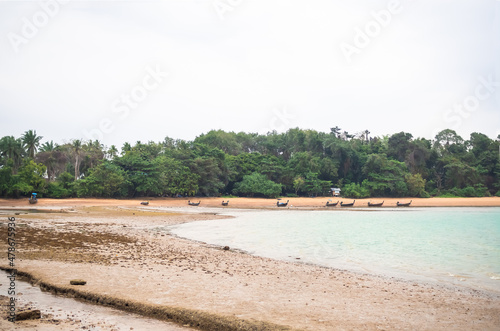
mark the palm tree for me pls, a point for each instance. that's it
(112, 152)
(31, 142)
(77, 151)
(12, 148)
(126, 148)
(93, 153)
(48, 146)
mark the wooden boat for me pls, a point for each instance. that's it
(404, 204)
(145, 203)
(194, 203)
(347, 204)
(225, 203)
(331, 204)
(33, 199)
(379, 204)
(282, 204)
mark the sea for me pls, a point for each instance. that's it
(458, 246)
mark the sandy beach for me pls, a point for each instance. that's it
(121, 249)
(259, 203)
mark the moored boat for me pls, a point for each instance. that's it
(331, 204)
(404, 204)
(33, 199)
(347, 204)
(282, 204)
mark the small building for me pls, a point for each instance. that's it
(335, 191)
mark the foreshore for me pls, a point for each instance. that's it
(127, 257)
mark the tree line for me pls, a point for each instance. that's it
(295, 163)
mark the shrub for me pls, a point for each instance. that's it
(469, 191)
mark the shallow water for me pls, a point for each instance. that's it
(458, 246)
(85, 315)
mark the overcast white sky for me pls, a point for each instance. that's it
(143, 70)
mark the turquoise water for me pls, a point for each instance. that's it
(458, 246)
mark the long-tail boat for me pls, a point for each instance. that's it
(347, 204)
(33, 199)
(404, 204)
(282, 204)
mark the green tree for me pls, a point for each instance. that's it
(176, 178)
(143, 173)
(257, 184)
(63, 187)
(210, 174)
(225, 141)
(31, 142)
(449, 142)
(112, 152)
(355, 191)
(418, 156)
(416, 185)
(12, 148)
(92, 155)
(48, 146)
(399, 145)
(30, 178)
(315, 186)
(385, 177)
(104, 180)
(459, 174)
(7, 180)
(126, 148)
(298, 184)
(242, 164)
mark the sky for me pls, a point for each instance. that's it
(128, 71)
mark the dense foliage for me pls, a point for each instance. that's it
(296, 163)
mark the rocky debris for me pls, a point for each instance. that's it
(77, 282)
(28, 315)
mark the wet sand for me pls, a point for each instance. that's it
(121, 249)
(62, 313)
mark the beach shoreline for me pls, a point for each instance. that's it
(254, 203)
(122, 250)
